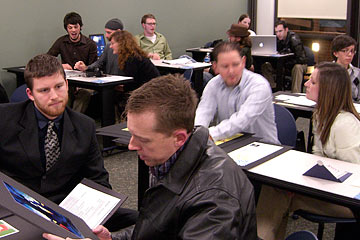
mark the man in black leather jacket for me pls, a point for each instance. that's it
(196, 190)
(290, 42)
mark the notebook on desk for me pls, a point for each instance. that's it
(99, 39)
(263, 45)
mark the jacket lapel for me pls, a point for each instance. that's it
(29, 136)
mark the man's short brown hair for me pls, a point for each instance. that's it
(227, 47)
(172, 100)
(42, 65)
(146, 16)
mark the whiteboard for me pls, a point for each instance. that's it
(318, 9)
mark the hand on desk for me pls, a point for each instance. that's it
(119, 88)
(67, 66)
(154, 56)
(100, 231)
(80, 65)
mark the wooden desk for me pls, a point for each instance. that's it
(285, 171)
(196, 78)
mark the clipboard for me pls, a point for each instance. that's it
(40, 212)
(93, 210)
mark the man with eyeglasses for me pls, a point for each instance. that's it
(343, 49)
(154, 43)
(290, 42)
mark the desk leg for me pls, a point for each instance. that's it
(107, 112)
(197, 79)
(280, 75)
(310, 135)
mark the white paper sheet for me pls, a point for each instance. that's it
(252, 152)
(301, 100)
(89, 204)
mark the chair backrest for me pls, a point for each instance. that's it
(19, 94)
(286, 126)
(3, 95)
(302, 235)
(310, 56)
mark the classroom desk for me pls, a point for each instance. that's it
(285, 172)
(276, 60)
(199, 53)
(278, 63)
(107, 92)
(19, 72)
(197, 75)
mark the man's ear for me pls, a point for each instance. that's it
(180, 137)
(243, 60)
(29, 94)
(214, 66)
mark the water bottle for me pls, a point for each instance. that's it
(207, 58)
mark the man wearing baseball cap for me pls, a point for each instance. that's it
(108, 61)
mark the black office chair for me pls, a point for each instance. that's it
(3, 95)
(19, 94)
(286, 126)
(321, 220)
(301, 235)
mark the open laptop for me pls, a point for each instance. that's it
(99, 39)
(263, 45)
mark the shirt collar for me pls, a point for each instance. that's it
(82, 39)
(43, 121)
(160, 171)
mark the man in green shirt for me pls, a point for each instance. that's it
(152, 42)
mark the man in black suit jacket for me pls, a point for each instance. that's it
(23, 129)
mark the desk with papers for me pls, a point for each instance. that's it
(179, 66)
(105, 87)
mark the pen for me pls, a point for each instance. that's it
(166, 62)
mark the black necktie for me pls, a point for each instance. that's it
(52, 146)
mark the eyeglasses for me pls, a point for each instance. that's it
(151, 24)
(347, 51)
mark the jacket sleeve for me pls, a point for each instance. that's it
(92, 53)
(55, 49)
(345, 136)
(167, 51)
(94, 168)
(298, 49)
(100, 63)
(123, 234)
(215, 214)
